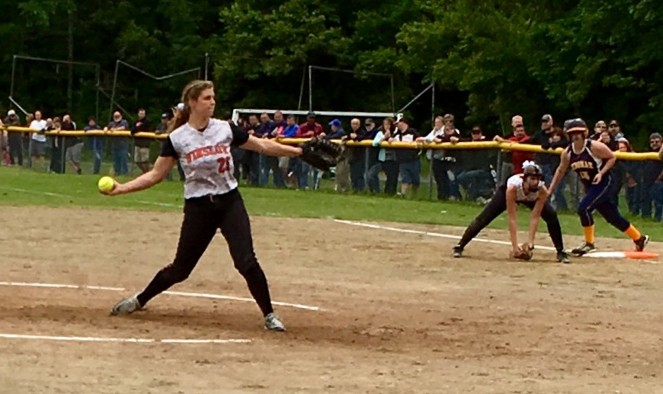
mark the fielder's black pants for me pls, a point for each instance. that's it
(497, 206)
(203, 216)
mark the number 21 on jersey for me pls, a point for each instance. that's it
(224, 164)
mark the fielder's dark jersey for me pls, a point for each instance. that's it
(584, 163)
(205, 156)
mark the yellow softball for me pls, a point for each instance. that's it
(106, 184)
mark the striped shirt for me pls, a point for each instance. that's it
(205, 156)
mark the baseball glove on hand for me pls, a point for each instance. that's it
(525, 252)
(321, 153)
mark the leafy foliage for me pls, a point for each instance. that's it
(488, 59)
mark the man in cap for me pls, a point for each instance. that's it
(547, 161)
(342, 171)
(309, 129)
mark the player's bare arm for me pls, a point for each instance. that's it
(158, 173)
(511, 208)
(270, 147)
(609, 159)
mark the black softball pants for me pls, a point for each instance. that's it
(203, 216)
(497, 206)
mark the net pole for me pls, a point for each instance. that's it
(310, 88)
(11, 86)
(430, 173)
(206, 64)
(112, 97)
(301, 89)
(393, 99)
(416, 98)
(98, 77)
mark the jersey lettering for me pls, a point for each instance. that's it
(584, 163)
(205, 151)
(224, 164)
(205, 158)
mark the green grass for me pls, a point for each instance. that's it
(20, 187)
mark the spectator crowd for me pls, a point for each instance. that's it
(458, 174)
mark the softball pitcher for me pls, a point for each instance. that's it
(202, 145)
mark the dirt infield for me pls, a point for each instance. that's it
(399, 315)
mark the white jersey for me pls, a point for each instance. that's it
(521, 194)
(205, 157)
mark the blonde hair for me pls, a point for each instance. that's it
(192, 90)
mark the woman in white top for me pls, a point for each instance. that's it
(202, 145)
(38, 139)
(526, 189)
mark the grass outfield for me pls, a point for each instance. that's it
(26, 187)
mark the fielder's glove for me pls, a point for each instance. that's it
(525, 252)
(321, 153)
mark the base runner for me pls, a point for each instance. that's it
(593, 162)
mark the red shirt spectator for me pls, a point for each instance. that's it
(310, 128)
(518, 157)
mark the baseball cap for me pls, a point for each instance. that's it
(575, 125)
(11, 112)
(310, 115)
(546, 118)
(335, 122)
(369, 121)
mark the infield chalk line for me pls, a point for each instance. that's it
(451, 236)
(15, 189)
(120, 340)
(430, 233)
(172, 293)
(224, 297)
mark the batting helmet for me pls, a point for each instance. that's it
(576, 125)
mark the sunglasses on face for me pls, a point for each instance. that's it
(614, 125)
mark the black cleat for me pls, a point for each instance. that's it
(583, 249)
(563, 257)
(641, 243)
(457, 251)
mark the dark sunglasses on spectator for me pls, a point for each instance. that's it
(614, 125)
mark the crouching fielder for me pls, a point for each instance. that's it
(525, 189)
